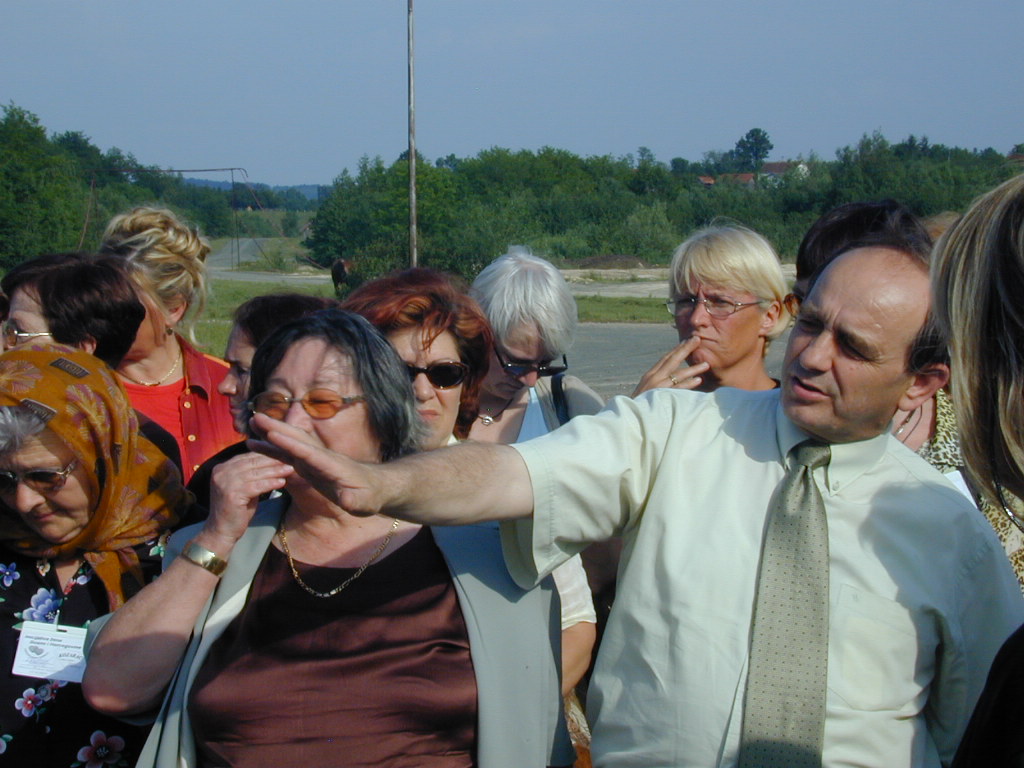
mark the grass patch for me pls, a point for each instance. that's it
(613, 309)
(279, 254)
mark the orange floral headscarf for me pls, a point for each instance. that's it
(135, 491)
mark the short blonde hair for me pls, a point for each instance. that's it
(977, 282)
(165, 256)
(735, 258)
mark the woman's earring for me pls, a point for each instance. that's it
(170, 331)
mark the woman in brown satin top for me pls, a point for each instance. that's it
(332, 639)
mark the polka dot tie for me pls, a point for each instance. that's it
(784, 706)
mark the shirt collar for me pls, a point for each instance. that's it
(849, 460)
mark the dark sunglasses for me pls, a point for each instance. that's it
(39, 480)
(440, 375)
(318, 403)
(521, 369)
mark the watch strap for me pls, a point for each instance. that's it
(204, 558)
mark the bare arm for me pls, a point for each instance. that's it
(137, 652)
(577, 648)
(467, 483)
(672, 372)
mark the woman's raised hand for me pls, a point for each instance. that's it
(672, 372)
(235, 490)
(341, 480)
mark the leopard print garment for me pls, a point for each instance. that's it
(943, 453)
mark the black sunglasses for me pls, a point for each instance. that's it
(521, 369)
(440, 375)
(39, 480)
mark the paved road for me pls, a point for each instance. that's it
(611, 357)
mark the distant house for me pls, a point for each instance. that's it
(770, 173)
(743, 179)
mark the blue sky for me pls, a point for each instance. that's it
(294, 91)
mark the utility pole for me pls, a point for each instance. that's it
(413, 257)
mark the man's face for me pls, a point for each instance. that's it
(845, 371)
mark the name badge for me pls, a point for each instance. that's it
(50, 651)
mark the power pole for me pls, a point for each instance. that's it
(413, 257)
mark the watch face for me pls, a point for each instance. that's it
(204, 558)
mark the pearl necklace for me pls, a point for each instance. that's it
(283, 538)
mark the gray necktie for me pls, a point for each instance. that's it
(784, 707)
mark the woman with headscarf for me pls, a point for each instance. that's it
(86, 504)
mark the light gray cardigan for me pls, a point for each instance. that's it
(514, 642)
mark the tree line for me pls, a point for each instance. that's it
(573, 209)
(59, 191)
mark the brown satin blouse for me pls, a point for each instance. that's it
(378, 675)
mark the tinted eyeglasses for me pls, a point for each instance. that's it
(13, 337)
(440, 375)
(39, 480)
(521, 369)
(318, 403)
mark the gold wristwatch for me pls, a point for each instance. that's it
(204, 558)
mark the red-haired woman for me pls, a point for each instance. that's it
(444, 339)
(446, 342)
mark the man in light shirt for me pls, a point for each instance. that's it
(920, 596)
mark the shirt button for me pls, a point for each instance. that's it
(191, 438)
(187, 404)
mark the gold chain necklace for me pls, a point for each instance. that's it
(166, 376)
(283, 537)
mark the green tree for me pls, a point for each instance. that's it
(752, 150)
(42, 198)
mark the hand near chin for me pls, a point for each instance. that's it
(672, 372)
(341, 480)
(235, 490)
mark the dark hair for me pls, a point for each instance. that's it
(29, 272)
(882, 224)
(433, 302)
(378, 370)
(260, 316)
(83, 296)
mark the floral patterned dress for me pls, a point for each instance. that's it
(47, 723)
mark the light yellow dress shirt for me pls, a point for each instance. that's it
(921, 595)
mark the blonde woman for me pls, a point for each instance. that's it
(165, 376)
(726, 292)
(977, 281)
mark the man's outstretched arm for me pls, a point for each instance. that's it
(468, 483)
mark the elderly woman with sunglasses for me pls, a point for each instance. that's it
(726, 295)
(86, 506)
(527, 393)
(306, 636)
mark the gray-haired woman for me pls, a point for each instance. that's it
(527, 393)
(312, 637)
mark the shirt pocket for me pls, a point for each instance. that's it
(880, 657)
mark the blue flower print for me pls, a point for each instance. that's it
(44, 607)
(9, 574)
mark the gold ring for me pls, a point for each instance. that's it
(674, 380)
